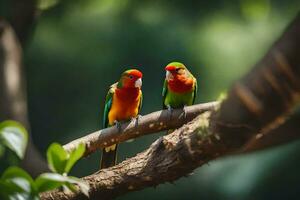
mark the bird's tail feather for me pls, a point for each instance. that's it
(109, 156)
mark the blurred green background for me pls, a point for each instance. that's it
(79, 48)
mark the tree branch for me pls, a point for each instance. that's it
(257, 103)
(289, 131)
(147, 124)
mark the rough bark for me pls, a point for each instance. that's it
(289, 131)
(151, 123)
(13, 99)
(167, 159)
(256, 104)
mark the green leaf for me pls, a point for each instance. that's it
(222, 96)
(8, 188)
(14, 136)
(19, 178)
(83, 186)
(14, 172)
(16, 189)
(17, 184)
(23, 196)
(57, 158)
(74, 156)
(19, 196)
(50, 181)
(21, 183)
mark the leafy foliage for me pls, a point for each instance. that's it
(14, 136)
(49, 181)
(18, 184)
(57, 158)
(60, 161)
(15, 183)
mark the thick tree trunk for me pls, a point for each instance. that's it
(13, 99)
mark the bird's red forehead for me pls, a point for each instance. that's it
(136, 73)
(170, 68)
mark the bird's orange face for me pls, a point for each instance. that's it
(174, 71)
(132, 79)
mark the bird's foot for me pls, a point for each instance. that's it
(118, 125)
(136, 120)
(170, 109)
(183, 114)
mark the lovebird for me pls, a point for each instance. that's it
(180, 87)
(122, 103)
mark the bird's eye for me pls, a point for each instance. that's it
(178, 69)
(130, 76)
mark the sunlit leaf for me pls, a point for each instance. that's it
(8, 188)
(16, 189)
(14, 136)
(57, 158)
(74, 156)
(12, 172)
(19, 196)
(19, 184)
(23, 196)
(50, 181)
(22, 183)
(16, 172)
(222, 96)
(83, 186)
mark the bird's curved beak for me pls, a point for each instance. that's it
(169, 75)
(138, 83)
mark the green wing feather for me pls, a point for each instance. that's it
(108, 103)
(141, 101)
(164, 93)
(195, 90)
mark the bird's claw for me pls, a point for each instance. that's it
(183, 114)
(170, 109)
(132, 119)
(118, 125)
(136, 119)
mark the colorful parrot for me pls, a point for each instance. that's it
(180, 87)
(123, 102)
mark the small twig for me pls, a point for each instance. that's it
(147, 124)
